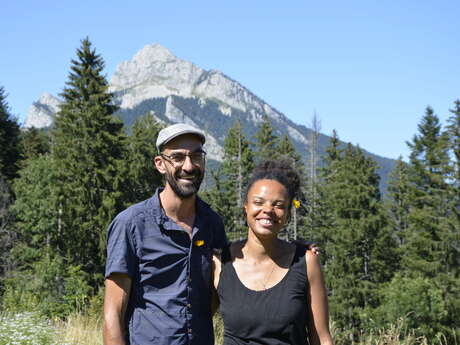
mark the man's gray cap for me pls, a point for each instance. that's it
(171, 132)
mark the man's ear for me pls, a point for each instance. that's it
(159, 164)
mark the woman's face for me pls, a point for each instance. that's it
(266, 207)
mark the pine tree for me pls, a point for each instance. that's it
(333, 154)
(322, 219)
(313, 156)
(34, 143)
(313, 216)
(143, 178)
(36, 206)
(453, 133)
(9, 165)
(287, 151)
(355, 230)
(266, 141)
(398, 203)
(230, 182)
(88, 146)
(424, 247)
(223, 199)
(7, 230)
(452, 237)
(9, 140)
(424, 206)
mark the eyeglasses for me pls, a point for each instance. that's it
(178, 158)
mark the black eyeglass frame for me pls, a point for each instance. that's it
(185, 155)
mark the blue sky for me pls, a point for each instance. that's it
(368, 68)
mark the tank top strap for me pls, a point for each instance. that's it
(226, 277)
(299, 252)
(225, 255)
(298, 265)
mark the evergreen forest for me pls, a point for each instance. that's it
(389, 257)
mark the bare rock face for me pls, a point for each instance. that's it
(173, 90)
(155, 73)
(42, 112)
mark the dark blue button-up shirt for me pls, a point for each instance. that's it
(170, 294)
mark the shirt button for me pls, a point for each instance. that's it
(190, 330)
(189, 305)
(189, 279)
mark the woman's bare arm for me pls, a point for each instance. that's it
(216, 267)
(318, 307)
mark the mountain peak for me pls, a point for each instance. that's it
(153, 52)
(47, 98)
(42, 112)
(154, 72)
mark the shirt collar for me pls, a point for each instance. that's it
(161, 218)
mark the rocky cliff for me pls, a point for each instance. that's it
(173, 90)
(41, 113)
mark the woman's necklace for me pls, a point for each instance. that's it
(264, 283)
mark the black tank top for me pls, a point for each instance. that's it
(274, 316)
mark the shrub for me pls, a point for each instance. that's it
(417, 299)
(49, 287)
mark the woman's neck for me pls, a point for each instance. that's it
(259, 249)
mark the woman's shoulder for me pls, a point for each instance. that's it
(313, 265)
(311, 257)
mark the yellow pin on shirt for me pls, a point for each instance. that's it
(199, 243)
(296, 203)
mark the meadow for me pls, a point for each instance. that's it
(80, 329)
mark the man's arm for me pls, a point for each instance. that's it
(117, 290)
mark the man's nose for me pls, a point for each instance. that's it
(188, 165)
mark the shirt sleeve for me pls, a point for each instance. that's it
(121, 257)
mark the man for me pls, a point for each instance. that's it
(159, 254)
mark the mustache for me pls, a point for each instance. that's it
(195, 173)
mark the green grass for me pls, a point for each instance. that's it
(81, 329)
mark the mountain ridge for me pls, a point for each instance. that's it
(157, 82)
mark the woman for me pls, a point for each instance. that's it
(271, 291)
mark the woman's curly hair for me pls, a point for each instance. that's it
(280, 171)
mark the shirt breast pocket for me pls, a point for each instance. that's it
(206, 263)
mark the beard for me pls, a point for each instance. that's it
(185, 190)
